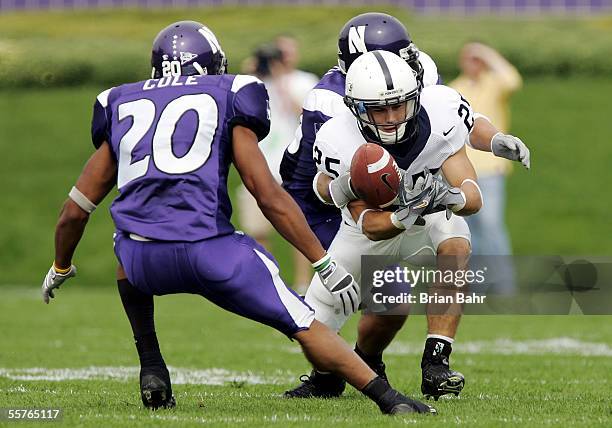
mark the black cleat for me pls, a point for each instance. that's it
(155, 389)
(392, 402)
(439, 380)
(437, 377)
(317, 385)
(402, 404)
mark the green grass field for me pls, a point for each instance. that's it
(77, 354)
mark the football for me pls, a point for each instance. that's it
(375, 176)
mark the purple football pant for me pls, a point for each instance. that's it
(232, 271)
(326, 231)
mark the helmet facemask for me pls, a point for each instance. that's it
(404, 129)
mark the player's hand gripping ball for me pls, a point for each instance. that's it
(375, 176)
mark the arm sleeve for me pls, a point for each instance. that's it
(100, 122)
(327, 157)
(251, 105)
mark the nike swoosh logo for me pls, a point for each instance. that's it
(448, 132)
(386, 181)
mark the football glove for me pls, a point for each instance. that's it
(428, 194)
(510, 147)
(54, 279)
(339, 283)
(341, 191)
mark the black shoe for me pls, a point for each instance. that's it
(156, 389)
(402, 404)
(317, 385)
(439, 380)
(392, 402)
(437, 377)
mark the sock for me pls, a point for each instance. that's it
(437, 351)
(379, 391)
(370, 360)
(140, 310)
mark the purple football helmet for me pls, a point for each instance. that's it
(377, 31)
(187, 48)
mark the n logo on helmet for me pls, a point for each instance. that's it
(210, 37)
(356, 39)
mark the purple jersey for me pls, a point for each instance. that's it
(171, 138)
(298, 168)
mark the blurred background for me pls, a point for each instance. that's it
(57, 55)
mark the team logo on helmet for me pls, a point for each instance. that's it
(187, 56)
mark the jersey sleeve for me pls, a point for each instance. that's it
(100, 121)
(251, 105)
(451, 116)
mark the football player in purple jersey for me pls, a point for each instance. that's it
(167, 144)
(363, 33)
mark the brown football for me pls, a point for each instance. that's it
(375, 176)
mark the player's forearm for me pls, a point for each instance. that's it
(68, 233)
(481, 135)
(374, 223)
(322, 185)
(473, 198)
(377, 226)
(287, 218)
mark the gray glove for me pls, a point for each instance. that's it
(54, 279)
(339, 282)
(510, 147)
(341, 191)
(428, 194)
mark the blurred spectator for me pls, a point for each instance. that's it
(287, 87)
(487, 81)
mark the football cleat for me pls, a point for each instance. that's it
(400, 404)
(317, 385)
(155, 389)
(439, 380)
(437, 377)
(392, 402)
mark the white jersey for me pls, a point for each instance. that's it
(445, 122)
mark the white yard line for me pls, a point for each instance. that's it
(560, 346)
(212, 376)
(551, 346)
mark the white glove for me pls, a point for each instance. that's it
(339, 283)
(510, 147)
(54, 279)
(341, 191)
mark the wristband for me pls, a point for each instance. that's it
(81, 200)
(469, 180)
(322, 263)
(360, 219)
(398, 224)
(61, 271)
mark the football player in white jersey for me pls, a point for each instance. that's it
(426, 132)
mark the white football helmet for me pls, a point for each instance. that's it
(379, 79)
